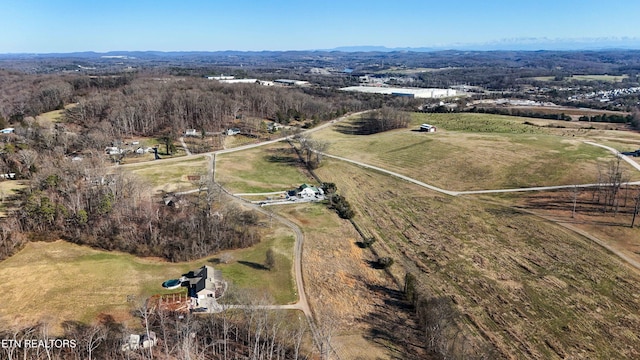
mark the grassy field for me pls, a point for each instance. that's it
(531, 288)
(171, 176)
(476, 152)
(238, 140)
(270, 168)
(61, 281)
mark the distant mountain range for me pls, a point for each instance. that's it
(514, 44)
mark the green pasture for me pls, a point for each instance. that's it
(268, 168)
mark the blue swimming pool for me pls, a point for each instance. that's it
(171, 284)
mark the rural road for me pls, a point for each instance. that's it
(471, 192)
(240, 148)
(403, 177)
(302, 304)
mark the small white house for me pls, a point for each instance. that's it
(308, 191)
(274, 126)
(113, 150)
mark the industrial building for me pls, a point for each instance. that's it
(288, 82)
(425, 93)
(238, 81)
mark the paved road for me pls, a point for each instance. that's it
(539, 188)
(302, 304)
(616, 152)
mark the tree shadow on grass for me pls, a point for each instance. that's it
(392, 325)
(282, 159)
(253, 265)
(375, 264)
(359, 127)
(286, 156)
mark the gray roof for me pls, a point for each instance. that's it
(204, 278)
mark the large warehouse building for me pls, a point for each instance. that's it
(425, 93)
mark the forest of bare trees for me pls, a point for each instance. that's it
(246, 334)
(85, 203)
(381, 120)
(113, 211)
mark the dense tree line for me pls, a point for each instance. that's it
(139, 104)
(381, 120)
(439, 319)
(249, 334)
(611, 118)
(22, 95)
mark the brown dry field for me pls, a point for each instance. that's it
(613, 228)
(360, 304)
(531, 288)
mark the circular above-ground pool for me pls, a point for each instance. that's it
(171, 284)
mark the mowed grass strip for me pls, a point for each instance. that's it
(61, 281)
(535, 289)
(475, 152)
(171, 176)
(8, 190)
(270, 168)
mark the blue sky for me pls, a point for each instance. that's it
(44, 26)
